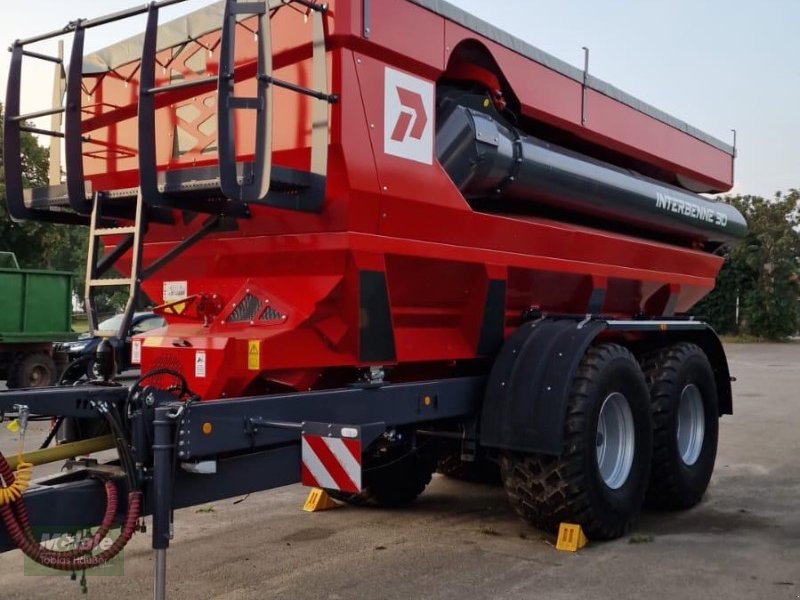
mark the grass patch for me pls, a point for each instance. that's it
(206, 509)
(489, 531)
(641, 538)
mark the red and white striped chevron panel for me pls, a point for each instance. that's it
(330, 462)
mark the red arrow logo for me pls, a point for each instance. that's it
(413, 101)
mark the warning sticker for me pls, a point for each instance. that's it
(254, 355)
(200, 363)
(174, 290)
(136, 352)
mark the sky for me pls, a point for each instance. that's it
(716, 64)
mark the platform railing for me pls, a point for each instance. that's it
(16, 122)
(239, 184)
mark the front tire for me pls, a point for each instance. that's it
(683, 394)
(393, 482)
(600, 479)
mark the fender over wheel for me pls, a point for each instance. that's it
(600, 479)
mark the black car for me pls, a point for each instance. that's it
(86, 345)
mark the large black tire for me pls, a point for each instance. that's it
(481, 470)
(681, 470)
(32, 370)
(548, 490)
(395, 483)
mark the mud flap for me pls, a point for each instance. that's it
(526, 395)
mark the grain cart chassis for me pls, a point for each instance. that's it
(371, 248)
(179, 452)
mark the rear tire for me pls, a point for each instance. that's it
(32, 370)
(600, 479)
(396, 484)
(481, 470)
(683, 394)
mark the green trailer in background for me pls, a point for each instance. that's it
(35, 311)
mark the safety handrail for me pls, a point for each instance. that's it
(227, 103)
(16, 122)
(76, 186)
(240, 184)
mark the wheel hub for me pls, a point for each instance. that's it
(615, 440)
(691, 424)
(37, 377)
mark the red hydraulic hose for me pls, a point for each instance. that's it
(15, 517)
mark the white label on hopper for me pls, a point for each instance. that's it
(200, 363)
(175, 290)
(136, 352)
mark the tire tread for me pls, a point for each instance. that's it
(548, 490)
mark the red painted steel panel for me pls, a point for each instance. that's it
(382, 212)
(556, 99)
(543, 93)
(627, 130)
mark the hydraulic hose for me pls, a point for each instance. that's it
(15, 517)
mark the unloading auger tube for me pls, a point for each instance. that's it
(489, 160)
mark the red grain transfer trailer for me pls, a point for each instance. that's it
(381, 233)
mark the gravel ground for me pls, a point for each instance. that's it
(462, 541)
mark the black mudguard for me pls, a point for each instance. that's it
(526, 396)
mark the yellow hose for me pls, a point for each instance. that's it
(22, 479)
(63, 451)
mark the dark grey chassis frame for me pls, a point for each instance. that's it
(255, 442)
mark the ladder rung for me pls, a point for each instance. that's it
(180, 85)
(330, 98)
(38, 131)
(105, 334)
(248, 8)
(244, 103)
(115, 230)
(42, 56)
(37, 114)
(109, 282)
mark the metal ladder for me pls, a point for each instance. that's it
(97, 266)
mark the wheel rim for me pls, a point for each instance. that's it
(37, 377)
(691, 424)
(615, 440)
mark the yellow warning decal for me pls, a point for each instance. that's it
(152, 342)
(174, 309)
(254, 355)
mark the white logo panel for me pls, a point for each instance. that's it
(408, 117)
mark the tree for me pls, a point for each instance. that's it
(40, 245)
(763, 272)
